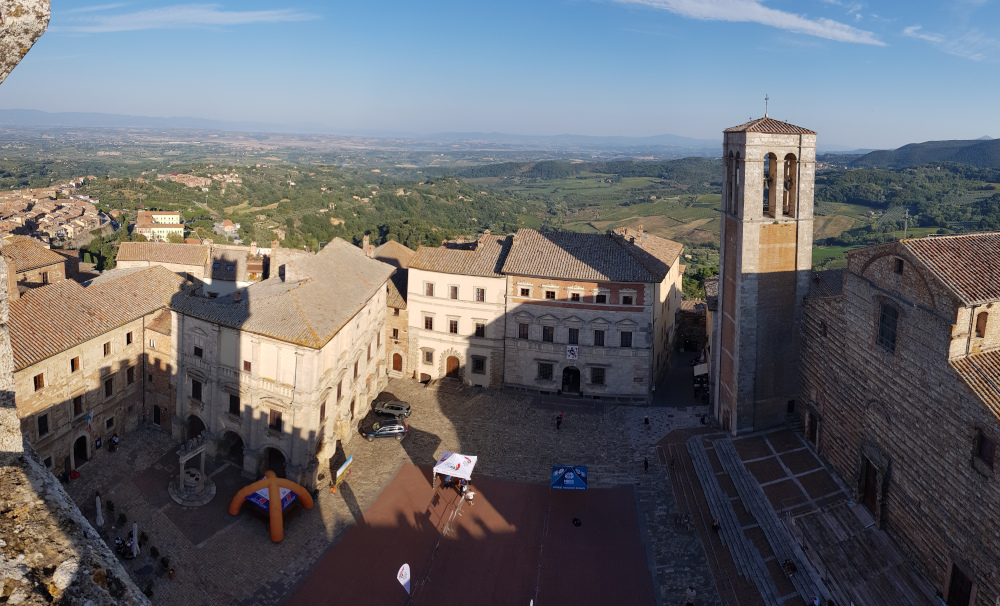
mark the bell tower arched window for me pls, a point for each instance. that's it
(790, 186)
(770, 174)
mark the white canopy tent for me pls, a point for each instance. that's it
(455, 465)
(701, 369)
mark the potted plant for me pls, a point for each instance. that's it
(153, 551)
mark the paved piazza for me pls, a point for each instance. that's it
(220, 559)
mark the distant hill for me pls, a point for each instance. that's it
(981, 153)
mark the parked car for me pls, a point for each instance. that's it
(395, 409)
(392, 428)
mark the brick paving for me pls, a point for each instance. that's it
(225, 560)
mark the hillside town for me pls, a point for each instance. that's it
(48, 214)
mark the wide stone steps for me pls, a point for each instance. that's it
(781, 542)
(748, 560)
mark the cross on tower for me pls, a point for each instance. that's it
(766, 99)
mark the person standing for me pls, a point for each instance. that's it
(559, 420)
(645, 465)
(689, 596)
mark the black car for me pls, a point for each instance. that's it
(393, 409)
(393, 428)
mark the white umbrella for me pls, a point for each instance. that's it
(135, 539)
(100, 516)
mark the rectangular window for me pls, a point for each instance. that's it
(77, 406)
(574, 296)
(480, 294)
(234, 405)
(39, 381)
(274, 420)
(574, 336)
(601, 299)
(378, 339)
(887, 325)
(548, 333)
(429, 289)
(985, 449)
(74, 364)
(550, 294)
(898, 266)
(395, 333)
(109, 423)
(395, 311)
(525, 292)
(522, 331)
(246, 365)
(453, 292)
(109, 388)
(428, 357)
(340, 389)
(478, 365)
(107, 349)
(480, 329)
(355, 370)
(130, 375)
(45, 277)
(196, 390)
(152, 343)
(48, 462)
(599, 338)
(128, 338)
(428, 323)
(626, 339)
(198, 352)
(43, 424)
(322, 411)
(545, 371)
(453, 326)
(597, 376)
(626, 299)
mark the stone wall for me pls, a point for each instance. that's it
(904, 416)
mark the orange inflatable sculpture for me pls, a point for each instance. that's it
(274, 484)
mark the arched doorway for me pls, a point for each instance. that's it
(195, 426)
(571, 379)
(80, 451)
(273, 459)
(231, 448)
(397, 362)
(156, 414)
(451, 367)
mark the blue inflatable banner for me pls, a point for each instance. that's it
(569, 477)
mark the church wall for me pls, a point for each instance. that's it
(906, 412)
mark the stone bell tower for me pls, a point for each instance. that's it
(765, 265)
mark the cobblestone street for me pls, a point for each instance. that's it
(220, 559)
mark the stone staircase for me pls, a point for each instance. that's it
(748, 560)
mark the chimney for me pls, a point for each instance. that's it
(364, 244)
(253, 249)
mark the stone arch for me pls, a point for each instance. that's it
(231, 447)
(192, 424)
(74, 449)
(397, 351)
(443, 363)
(789, 190)
(770, 185)
(923, 296)
(273, 458)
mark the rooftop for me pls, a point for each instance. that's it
(162, 252)
(828, 283)
(770, 126)
(395, 254)
(981, 374)
(26, 254)
(486, 259)
(967, 264)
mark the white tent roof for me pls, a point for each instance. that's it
(701, 369)
(455, 465)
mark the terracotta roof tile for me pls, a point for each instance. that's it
(487, 259)
(24, 255)
(163, 252)
(395, 254)
(827, 283)
(53, 318)
(968, 264)
(771, 126)
(981, 373)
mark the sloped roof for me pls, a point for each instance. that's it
(827, 283)
(608, 257)
(981, 373)
(771, 126)
(23, 255)
(395, 254)
(53, 318)
(712, 293)
(967, 264)
(163, 252)
(396, 298)
(487, 259)
(316, 297)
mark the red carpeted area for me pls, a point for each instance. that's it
(515, 544)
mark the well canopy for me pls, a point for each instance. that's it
(456, 465)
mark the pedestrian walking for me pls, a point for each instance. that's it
(646, 423)
(645, 465)
(716, 525)
(689, 596)
(559, 420)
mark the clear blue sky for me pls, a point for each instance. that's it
(865, 74)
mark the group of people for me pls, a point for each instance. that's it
(462, 487)
(124, 548)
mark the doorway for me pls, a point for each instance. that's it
(571, 380)
(80, 451)
(397, 362)
(960, 588)
(156, 415)
(869, 486)
(272, 459)
(231, 448)
(195, 427)
(451, 366)
(812, 431)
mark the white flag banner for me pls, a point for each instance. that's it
(403, 576)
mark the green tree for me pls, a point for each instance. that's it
(139, 238)
(175, 238)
